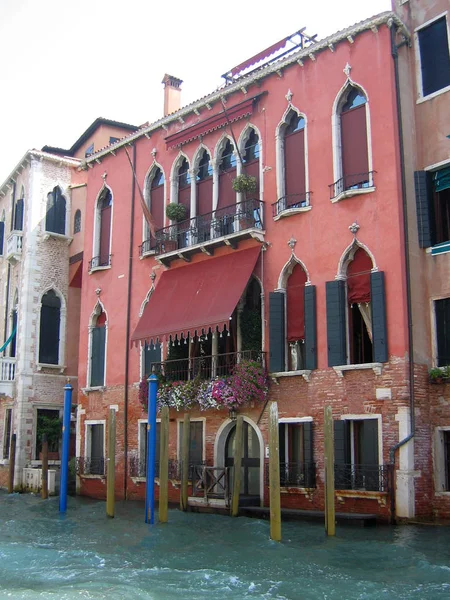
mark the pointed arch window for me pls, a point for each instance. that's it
(251, 157)
(227, 172)
(102, 243)
(295, 321)
(184, 186)
(55, 218)
(98, 351)
(50, 324)
(2, 236)
(204, 184)
(156, 204)
(77, 222)
(352, 150)
(18, 211)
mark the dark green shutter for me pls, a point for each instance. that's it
(442, 309)
(18, 215)
(310, 328)
(276, 332)
(59, 225)
(378, 307)
(342, 457)
(308, 454)
(368, 474)
(2, 235)
(98, 356)
(336, 328)
(424, 208)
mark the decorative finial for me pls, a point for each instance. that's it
(347, 70)
(354, 228)
(153, 275)
(289, 96)
(98, 291)
(104, 176)
(68, 380)
(291, 243)
(154, 153)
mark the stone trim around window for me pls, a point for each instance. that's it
(376, 367)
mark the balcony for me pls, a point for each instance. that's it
(291, 204)
(363, 478)
(14, 246)
(7, 376)
(100, 262)
(352, 185)
(226, 226)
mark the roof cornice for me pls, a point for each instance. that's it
(386, 18)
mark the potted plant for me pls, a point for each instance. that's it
(175, 212)
(436, 375)
(244, 184)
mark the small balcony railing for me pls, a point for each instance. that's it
(100, 261)
(137, 467)
(211, 482)
(7, 369)
(14, 245)
(90, 466)
(209, 226)
(295, 474)
(205, 367)
(357, 181)
(289, 202)
(370, 478)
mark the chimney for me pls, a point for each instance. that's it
(172, 94)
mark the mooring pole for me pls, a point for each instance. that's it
(111, 469)
(151, 450)
(238, 448)
(330, 517)
(68, 389)
(274, 474)
(164, 466)
(185, 462)
(44, 474)
(12, 463)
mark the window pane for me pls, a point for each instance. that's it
(434, 57)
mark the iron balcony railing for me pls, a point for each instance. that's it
(100, 261)
(137, 467)
(294, 474)
(370, 478)
(357, 181)
(209, 226)
(90, 466)
(204, 367)
(290, 201)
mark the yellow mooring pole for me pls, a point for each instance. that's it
(164, 466)
(274, 474)
(238, 451)
(44, 473)
(111, 469)
(185, 462)
(330, 517)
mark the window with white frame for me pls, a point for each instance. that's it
(151, 353)
(2, 236)
(98, 350)
(7, 430)
(50, 326)
(442, 459)
(48, 422)
(442, 316)
(77, 221)
(141, 470)
(103, 226)
(297, 468)
(433, 41)
(196, 441)
(95, 448)
(154, 192)
(55, 217)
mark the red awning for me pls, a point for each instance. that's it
(228, 115)
(196, 297)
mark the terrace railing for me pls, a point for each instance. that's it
(90, 466)
(7, 369)
(371, 478)
(289, 202)
(204, 367)
(357, 181)
(100, 261)
(294, 474)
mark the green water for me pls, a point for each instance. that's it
(85, 555)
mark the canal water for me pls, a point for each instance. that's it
(197, 556)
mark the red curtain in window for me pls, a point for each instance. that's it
(105, 234)
(358, 278)
(296, 304)
(157, 205)
(294, 163)
(227, 196)
(252, 168)
(354, 142)
(204, 196)
(184, 198)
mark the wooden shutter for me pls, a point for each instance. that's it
(98, 356)
(97, 449)
(59, 225)
(355, 159)
(308, 454)
(157, 205)
(2, 236)
(276, 332)
(295, 300)
(18, 215)
(434, 56)
(152, 354)
(252, 168)
(227, 196)
(424, 209)
(442, 309)
(310, 328)
(204, 196)
(105, 236)
(49, 335)
(342, 457)
(336, 328)
(184, 198)
(378, 308)
(369, 442)
(294, 163)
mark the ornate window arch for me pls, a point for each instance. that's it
(52, 328)
(154, 194)
(103, 219)
(97, 345)
(55, 216)
(19, 207)
(77, 221)
(226, 160)
(250, 148)
(180, 192)
(203, 170)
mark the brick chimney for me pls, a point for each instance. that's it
(172, 94)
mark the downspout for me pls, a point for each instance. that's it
(127, 334)
(393, 449)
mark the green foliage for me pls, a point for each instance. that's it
(175, 212)
(244, 184)
(251, 329)
(51, 427)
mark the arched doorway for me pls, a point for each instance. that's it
(251, 462)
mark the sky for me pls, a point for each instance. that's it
(63, 63)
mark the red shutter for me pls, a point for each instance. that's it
(294, 163)
(204, 196)
(354, 145)
(227, 196)
(105, 235)
(358, 277)
(296, 304)
(157, 205)
(252, 168)
(184, 198)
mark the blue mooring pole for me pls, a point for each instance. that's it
(151, 450)
(68, 389)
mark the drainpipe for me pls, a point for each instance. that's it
(393, 449)
(127, 334)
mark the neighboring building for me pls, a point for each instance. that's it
(424, 75)
(42, 210)
(312, 261)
